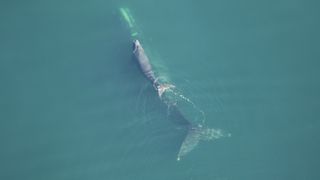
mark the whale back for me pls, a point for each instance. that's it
(143, 61)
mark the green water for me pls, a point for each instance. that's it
(74, 104)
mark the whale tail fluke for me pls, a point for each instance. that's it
(197, 133)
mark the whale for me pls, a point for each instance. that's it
(194, 132)
(170, 95)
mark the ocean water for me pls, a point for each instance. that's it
(74, 104)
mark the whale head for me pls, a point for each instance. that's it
(136, 45)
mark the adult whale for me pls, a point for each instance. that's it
(194, 132)
(171, 96)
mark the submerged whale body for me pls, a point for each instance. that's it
(195, 132)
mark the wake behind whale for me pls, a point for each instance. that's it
(173, 99)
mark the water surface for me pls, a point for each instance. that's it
(74, 104)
